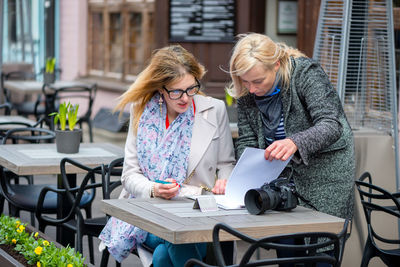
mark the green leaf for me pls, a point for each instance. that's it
(66, 112)
(50, 65)
(73, 116)
(228, 99)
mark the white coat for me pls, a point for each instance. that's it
(211, 152)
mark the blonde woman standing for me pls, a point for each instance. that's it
(287, 106)
(175, 135)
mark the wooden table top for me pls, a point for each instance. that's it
(34, 87)
(177, 222)
(33, 159)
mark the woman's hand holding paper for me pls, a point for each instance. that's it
(219, 187)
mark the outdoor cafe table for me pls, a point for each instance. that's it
(6, 122)
(43, 159)
(35, 87)
(177, 222)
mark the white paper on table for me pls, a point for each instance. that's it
(251, 171)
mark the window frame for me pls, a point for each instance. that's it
(124, 8)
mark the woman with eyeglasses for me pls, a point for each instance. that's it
(179, 143)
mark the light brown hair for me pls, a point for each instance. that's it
(167, 65)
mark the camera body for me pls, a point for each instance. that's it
(279, 194)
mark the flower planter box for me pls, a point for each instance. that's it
(7, 260)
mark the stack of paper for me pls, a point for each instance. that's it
(251, 171)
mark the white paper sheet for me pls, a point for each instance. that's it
(251, 171)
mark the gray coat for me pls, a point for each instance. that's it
(323, 168)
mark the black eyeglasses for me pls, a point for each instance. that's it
(178, 93)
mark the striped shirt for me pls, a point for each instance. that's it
(280, 132)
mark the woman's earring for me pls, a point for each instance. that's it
(160, 102)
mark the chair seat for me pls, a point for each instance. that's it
(92, 226)
(102, 221)
(27, 196)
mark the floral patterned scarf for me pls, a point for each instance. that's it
(162, 153)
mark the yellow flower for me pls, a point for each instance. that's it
(14, 241)
(19, 230)
(38, 250)
(69, 265)
(38, 264)
(22, 227)
(36, 234)
(46, 243)
(17, 224)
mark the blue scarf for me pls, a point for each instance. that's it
(270, 107)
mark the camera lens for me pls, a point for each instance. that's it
(257, 201)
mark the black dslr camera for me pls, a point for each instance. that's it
(279, 194)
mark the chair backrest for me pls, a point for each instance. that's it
(309, 252)
(6, 107)
(29, 135)
(19, 75)
(82, 94)
(377, 202)
(9, 123)
(73, 194)
(26, 74)
(113, 169)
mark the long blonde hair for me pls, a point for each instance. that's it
(167, 65)
(253, 48)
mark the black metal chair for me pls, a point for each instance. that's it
(15, 75)
(74, 219)
(331, 245)
(7, 125)
(24, 108)
(23, 196)
(74, 94)
(377, 203)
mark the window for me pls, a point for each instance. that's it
(120, 37)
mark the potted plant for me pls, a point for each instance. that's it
(67, 140)
(49, 75)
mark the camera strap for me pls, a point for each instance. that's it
(294, 191)
(306, 201)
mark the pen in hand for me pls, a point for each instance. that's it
(165, 182)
